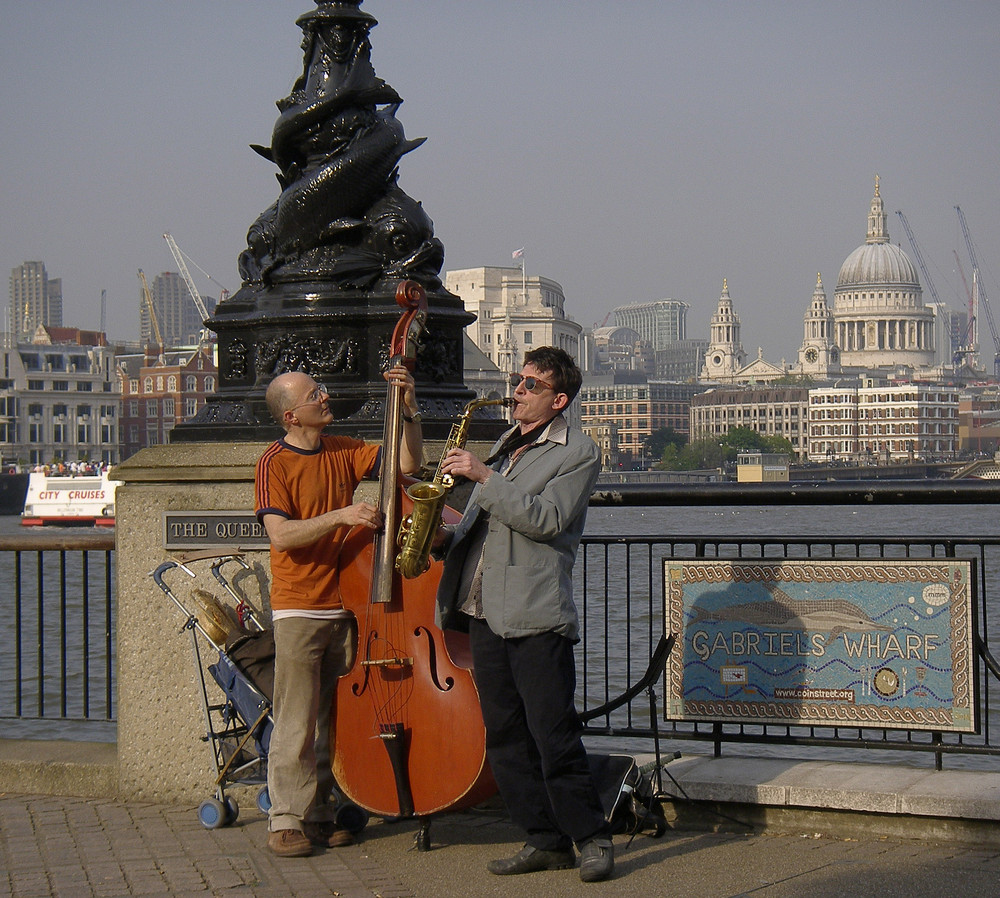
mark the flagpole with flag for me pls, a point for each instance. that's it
(518, 255)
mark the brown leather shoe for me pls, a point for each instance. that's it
(328, 835)
(289, 843)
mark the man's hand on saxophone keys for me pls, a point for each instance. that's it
(461, 462)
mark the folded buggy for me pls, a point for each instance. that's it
(239, 728)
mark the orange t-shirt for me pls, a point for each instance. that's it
(299, 484)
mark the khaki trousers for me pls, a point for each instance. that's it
(310, 656)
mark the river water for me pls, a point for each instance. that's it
(882, 520)
(707, 521)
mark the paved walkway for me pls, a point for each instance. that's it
(82, 847)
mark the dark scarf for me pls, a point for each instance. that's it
(515, 441)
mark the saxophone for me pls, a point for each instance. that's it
(417, 529)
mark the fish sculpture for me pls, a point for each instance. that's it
(833, 616)
(337, 144)
(335, 195)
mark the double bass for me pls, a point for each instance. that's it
(410, 739)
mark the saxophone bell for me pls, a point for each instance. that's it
(418, 526)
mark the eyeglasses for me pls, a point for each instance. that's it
(314, 397)
(531, 384)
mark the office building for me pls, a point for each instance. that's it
(662, 325)
(177, 315)
(59, 399)
(35, 299)
(514, 313)
(882, 421)
(160, 390)
(659, 323)
(626, 407)
(774, 411)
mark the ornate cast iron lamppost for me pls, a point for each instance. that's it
(322, 263)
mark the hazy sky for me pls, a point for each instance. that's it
(637, 149)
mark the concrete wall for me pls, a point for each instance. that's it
(160, 719)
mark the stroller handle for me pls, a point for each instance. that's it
(157, 575)
(225, 559)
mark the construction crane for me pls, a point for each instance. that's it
(604, 322)
(919, 256)
(979, 293)
(192, 289)
(958, 353)
(147, 296)
(972, 330)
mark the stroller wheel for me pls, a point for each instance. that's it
(232, 810)
(212, 813)
(264, 800)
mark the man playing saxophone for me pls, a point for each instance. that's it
(507, 579)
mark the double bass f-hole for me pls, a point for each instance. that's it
(398, 666)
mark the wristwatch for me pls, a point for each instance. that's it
(415, 418)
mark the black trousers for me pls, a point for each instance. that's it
(533, 736)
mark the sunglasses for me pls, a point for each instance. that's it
(313, 397)
(531, 384)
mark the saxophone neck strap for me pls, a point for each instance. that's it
(515, 441)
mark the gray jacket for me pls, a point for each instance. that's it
(537, 514)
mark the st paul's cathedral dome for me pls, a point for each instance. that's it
(879, 316)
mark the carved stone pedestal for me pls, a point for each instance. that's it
(339, 338)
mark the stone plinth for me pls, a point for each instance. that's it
(160, 720)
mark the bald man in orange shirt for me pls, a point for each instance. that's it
(304, 497)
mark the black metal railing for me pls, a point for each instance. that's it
(620, 591)
(57, 672)
(59, 602)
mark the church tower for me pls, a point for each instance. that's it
(819, 356)
(725, 355)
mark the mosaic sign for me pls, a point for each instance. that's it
(880, 643)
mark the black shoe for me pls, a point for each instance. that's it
(597, 860)
(531, 860)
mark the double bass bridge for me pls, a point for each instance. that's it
(387, 662)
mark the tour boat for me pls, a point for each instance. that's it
(13, 489)
(68, 500)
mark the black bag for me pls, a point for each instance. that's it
(253, 653)
(627, 795)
